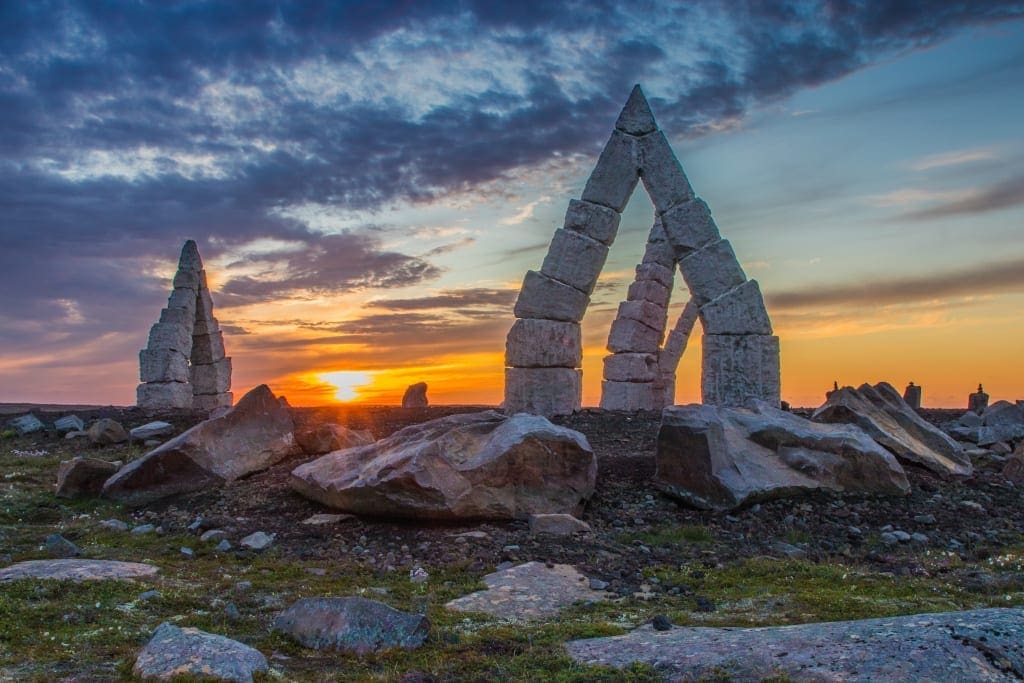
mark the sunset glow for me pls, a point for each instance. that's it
(347, 383)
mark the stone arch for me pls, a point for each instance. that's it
(543, 353)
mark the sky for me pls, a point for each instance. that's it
(368, 183)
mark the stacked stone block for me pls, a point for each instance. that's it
(184, 364)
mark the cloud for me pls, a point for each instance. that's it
(998, 277)
(452, 299)
(1004, 195)
(954, 158)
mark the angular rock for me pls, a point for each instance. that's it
(252, 436)
(1002, 413)
(662, 175)
(912, 396)
(203, 326)
(557, 525)
(355, 625)
(738, 311)
(415, 396)
(631, 396)
(173, 652)
(631, 367)
(679, 337)
(105, 431)
(162, 395)
(616, 174)
(544, 344)
(83, 476)
(689, 227)
(69, 423)
(549, 299)
(650, 314)
(189, 279)
(207, 348)
(58, 546)
(184, 299)
(971, 419)
(1013, 468)
(989, 436)
(528, 591)
(631, 336)
(212, 378)
(636, 117)
(77, 570)
(654, 271)
(465, 466)
(543, 391)
(711, 272)
(735, 368)
(172, 337)
(162, 365)
(324, 438)
(881, 412)
(26, 424)
(651, 291)
(977, 645)
(713, 457)
(151, 430)
(592, 220)
(258, 540)
(575, 260)
(212, 402)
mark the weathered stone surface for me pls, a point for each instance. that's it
(207, 348)
(173, 652)
(912, 396)
(616, 174)
(58, 546)
(679, 337)
(739, 311)
(69, 423)
(543, 297)
(971, 419)
(649, 290)
(162, 365)
(631, 396)
(1002, 413)
(258, 540)
(82, 476)
(528, 591)
(592, 220)
(77, 570)
(176, 316)
(735, 368)
(354, 625)
(543, 391)
(415, 396)
(714, 457)
(204, 306)
(159, 395)
(662, 175)
(1013, 468)
(881, 412)
(105, 431)
(978, 401)
(711, 272)
(656, 272)
(205, 327)
(636, 117)
(252, 436)
(633, 336)
(650, 314)
(689, 227)
(325, 437)
(557, 525)
(631, 367)
(977, 645)
(189, 259)
(170, 336)
(189, 279)
(26, 424)
(211, 378)
(575, 260)
(465, 466)
(212, 402)
(544, 344)
(184, 299)
(989, 436)
(658, 250)
(151, 430)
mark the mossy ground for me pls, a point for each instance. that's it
(92, 630)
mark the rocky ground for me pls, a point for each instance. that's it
(948, 545)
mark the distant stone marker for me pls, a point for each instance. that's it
(184, 364)
(912, 395)
(543, 351)
(977, 402)
(415, 396)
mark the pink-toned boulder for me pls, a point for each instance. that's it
(83, 476)
(324, 438)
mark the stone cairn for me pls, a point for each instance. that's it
(978, 401)
(183, 365)
(543, 352)
(912, 395)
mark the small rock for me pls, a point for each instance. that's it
(114, 525)
(149, 595)
(243, 586)
(58, 546)
(476, 535)
(704, 605)
(901, 536)
(854, 532)
(188, 552)
(661, 623)
(323, 518)
(598, 584)
(924, 519)
(418, 575)
(196, 525)
(83, 476)
(257, 540)
(1001, 448)
(213, 535)
(69, 423)
(356, 625)
(889, 538)
(973, 506)
(231, 612)
(510, 548)
(76, 434)
(151, 430)
(223, 546)
(557, 525)
(144, 529)
(152, 443)
(918, 538)
(104, 432)
(790, 551)
(174, 652)
(26, 424)
(886, 528)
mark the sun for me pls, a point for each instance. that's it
(347, 383)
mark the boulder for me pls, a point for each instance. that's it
(58, 546)
(105, 431)
(151, 430)
(250, 437)
(1013, 468)
(324, 438)
(467, 466)
(415, 396)
(69, 423)
(354, 625)
(173, 652)
(884, 415)
(531, 591)
(83, 476)
(26, 424)
(1001, 421)
(77, 570)
(715, 457)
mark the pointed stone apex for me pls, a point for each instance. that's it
(190, 259)
(636, 117)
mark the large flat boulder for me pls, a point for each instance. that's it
(352, 624)
(979, 645)
(77, 570)
(175, 652)
(716, 457)
(881, 412)
(469, 466)
(250, 437)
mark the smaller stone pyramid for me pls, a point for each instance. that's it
(183, 365)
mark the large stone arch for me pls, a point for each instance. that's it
(544, 352)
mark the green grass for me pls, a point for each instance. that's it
(670, 536)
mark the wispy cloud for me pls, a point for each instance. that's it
(954, 158)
